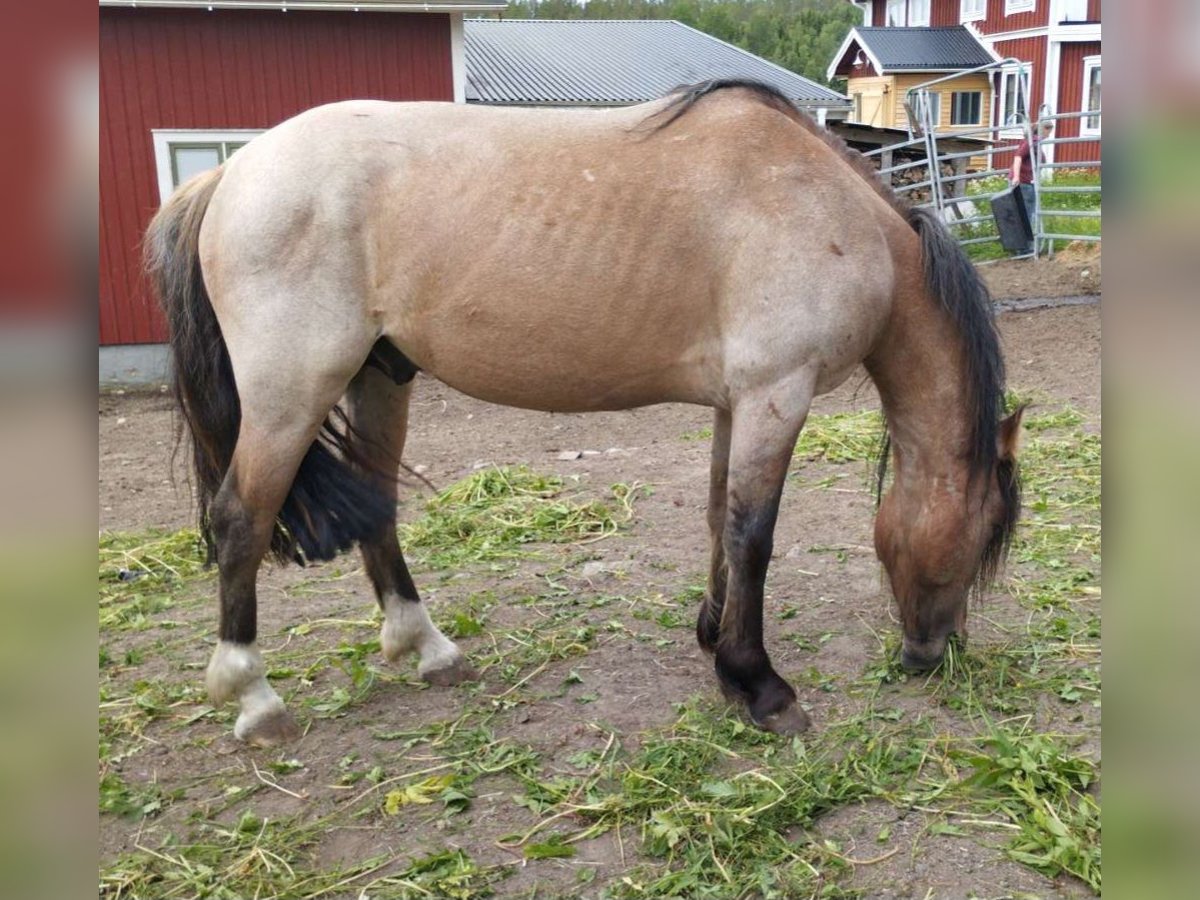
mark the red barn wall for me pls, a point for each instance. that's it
(996, 20)
(230, 69)
(1070, 99)
(1030, 50)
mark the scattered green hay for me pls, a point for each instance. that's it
(139, 574)
(722, 808)
(496, 513)
(1042, 788)
(275, 858)
(841, 437)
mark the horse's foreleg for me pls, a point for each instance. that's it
(708, 623)
(379, 413)
(765, 426)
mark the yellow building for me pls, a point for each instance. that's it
(881, 65)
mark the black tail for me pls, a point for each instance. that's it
(335, 499)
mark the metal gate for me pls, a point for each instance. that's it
(961, 184)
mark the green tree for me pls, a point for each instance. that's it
(800, 35)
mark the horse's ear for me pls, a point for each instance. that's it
(1008, 441)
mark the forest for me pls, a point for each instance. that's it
(800, 35)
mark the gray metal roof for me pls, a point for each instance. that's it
(542, 62)
(952, 47)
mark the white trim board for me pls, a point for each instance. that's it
(458, 58)
(1085, 130)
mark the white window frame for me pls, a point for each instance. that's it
(1090, 64)
(165, 139)
(972, 10)
(1002, 110)
(934, 100)
(1064, 12)
(1019, 6)
(887, 13)
(912, 17)
(978, 119)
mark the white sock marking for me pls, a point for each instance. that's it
(237, 671)
(408, 628)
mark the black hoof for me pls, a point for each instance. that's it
(789, 721)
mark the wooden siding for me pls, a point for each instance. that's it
(1070, 99)
(997, 21)
(949, 12)
(230, 69)
(1030, 50)
(945, 12)
(883, 97)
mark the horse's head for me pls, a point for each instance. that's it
(941, 534)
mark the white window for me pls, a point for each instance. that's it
(966, 108)
(1016, 6)
(896, 12)
(918, 12)
(1073, 11)
(1091, 96)
(1012, 110)
(972, 10)
(178, 155)
(933, 103)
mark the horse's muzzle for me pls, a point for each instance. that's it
(922, 656)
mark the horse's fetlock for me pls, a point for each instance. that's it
(232, 669)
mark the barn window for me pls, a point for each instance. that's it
(897, 12)
(972, 10)
(1016, 6)
(1091, 95)
(966, 107)
(180, 154)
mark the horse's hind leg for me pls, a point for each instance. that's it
(765, 425)
(708, 623)
(378, 410)
(280, 419)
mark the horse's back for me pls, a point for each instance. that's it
(571, 259)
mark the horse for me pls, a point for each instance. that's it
(714, 247)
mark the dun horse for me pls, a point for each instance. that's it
(715, 247)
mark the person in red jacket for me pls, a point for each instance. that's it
(1022, 171)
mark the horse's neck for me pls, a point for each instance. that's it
(917, 368)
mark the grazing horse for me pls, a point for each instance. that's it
(714, 247)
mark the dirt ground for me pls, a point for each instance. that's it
(1072, 271)
(824, 574)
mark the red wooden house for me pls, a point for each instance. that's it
(183, 83)
(1059, 39)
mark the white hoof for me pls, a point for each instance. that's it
(407, 628)
(236, 671)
